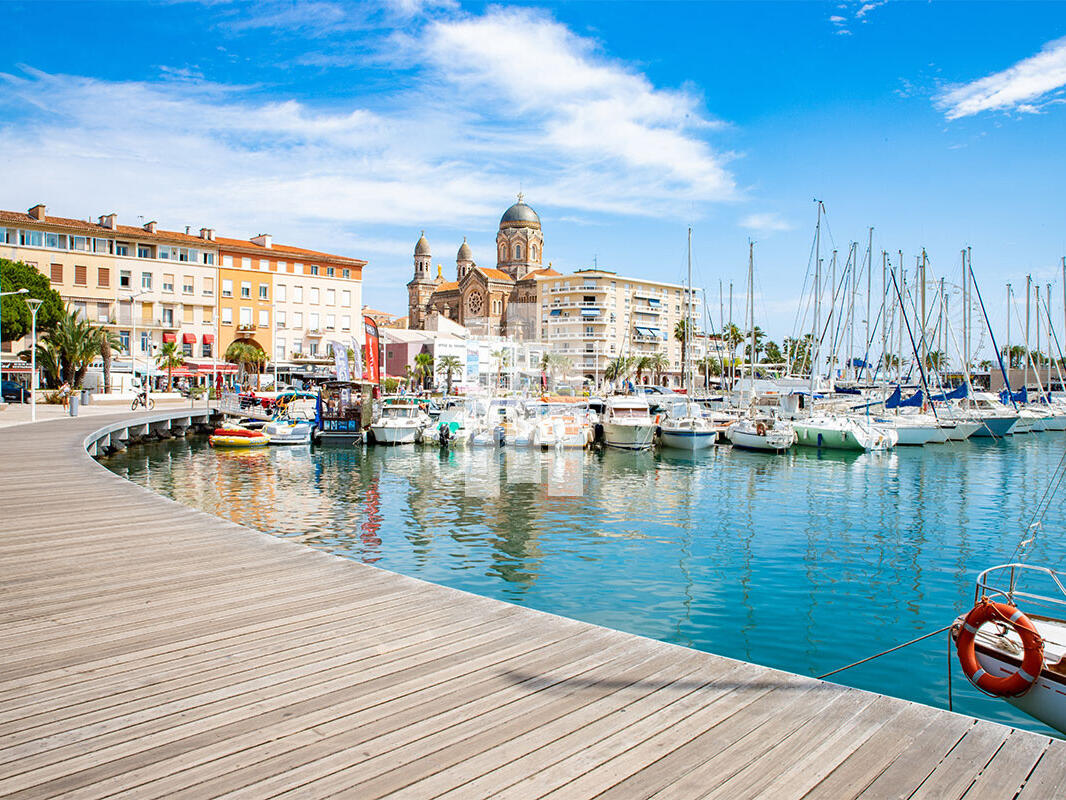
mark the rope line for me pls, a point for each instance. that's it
(885, 652)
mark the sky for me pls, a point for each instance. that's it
(350, 128)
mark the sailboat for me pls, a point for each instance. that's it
(688, 428)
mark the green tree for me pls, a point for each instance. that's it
(424, 368)
(109, 342)
(169, 358)
(773, 354)
(1015, 357)
(985, 364)
(618, 368)
(15, 275)
(551, 364)
(503, 359)
(247, 356)
(935, 360)
(683, 332)
(659, 363)
(759, 338)
(448, 366)
(65, 351)
(643, 365)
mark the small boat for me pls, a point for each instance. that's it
(627, 423)
(561, 424)
(761, 433)
(1008, 650)
(996, 419)
(295, 421)
(686, 427)
(452, 428)
(399, 422)
(236, 436)
(843, 433)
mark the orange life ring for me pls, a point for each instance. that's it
(1022, 679)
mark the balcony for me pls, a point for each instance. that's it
(313, 332)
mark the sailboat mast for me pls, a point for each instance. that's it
(1009, 355)
(1028, 292)
(688, 325)
(1047, 304)
(902, 312)
(884, 318)
(751, 306)
(849, 367)
(1036, 361)
(869, 291)
(817, 292)
(921, 277)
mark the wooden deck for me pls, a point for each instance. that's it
(149, 650)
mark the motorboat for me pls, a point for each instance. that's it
(1012, 643)
(237, 436)
(295, 421)
(761, 433)
(399, 422)
(341, 411)
(627, 423)
(843, 433)
(686, 427)
(452, 429)
(559, 424)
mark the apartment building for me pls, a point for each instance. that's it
(197, 290)
(292, 302)
(151, 286)
(593, 316)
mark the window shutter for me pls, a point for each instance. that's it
(80, 275)
(57, 273)
(104, 277)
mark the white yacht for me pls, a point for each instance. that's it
(686, 427)
(843, 433)
(399, 422)
(628, 423)
(761, 433)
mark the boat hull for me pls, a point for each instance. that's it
(997, 427)
(628, 437)
(1046, 701)
(688, 439)
(395, 434)
(829, 438)
(766, 443)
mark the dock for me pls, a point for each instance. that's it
(150, 650)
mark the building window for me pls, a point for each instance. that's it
(246, 263)
(186, 349)
(331, 322)
(209, 286)
(279, 318)
(227, 315)
(298, 294)
(246, 289)
(331, 297)
(103, 277)
(125, 279)
(533, 252)
(264, 264)
(347, 273)
(205, 350)
(57, 273)
(187, 286)
(312, 321)
(168, 316)
(279, 350)
(279, 292)
(122, 249)
(518, 251)
(101, 245)
(146, 280)
(246, 315)
(346, 322)
(264, 292)
(282, 266)
(314, 269)
(227, 287)
(297, 319)
(124, 340)
(168, 283)
(312, 349)
(209, 315)
(264, 318)
(315, 295)
(146, 342)
(144, 251)
(329, 272)
(80, 275)
(209, 258)
(227, 261)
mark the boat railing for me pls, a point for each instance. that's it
(1002, 583)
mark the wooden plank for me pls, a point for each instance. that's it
(1009, 768)
(1048, 776)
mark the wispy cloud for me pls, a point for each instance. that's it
(1026, 87)
(499, 99)
(766, 223)
(847, 15)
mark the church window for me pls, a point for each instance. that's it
(518, 251)
(533, 252)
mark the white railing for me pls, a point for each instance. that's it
(1002, 583)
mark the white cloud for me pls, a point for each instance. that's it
(766, 223)
(868, 7)
(1025, 87)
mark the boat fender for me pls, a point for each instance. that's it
(1021, 680)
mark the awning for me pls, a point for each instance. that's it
(590, 312)
(644, 332)
(653, 301)
(209, 338)
(556, 312)
(658, 334)
(188, 338)
(170, 337)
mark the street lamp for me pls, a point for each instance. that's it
(7, 294)
(34, 305)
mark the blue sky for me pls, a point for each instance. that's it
(351, 127)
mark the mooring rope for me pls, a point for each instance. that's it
(885, 652)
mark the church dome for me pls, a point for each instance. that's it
(422, 247)
(520, 216)
(464, 253)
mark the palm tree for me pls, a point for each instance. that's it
(659, 363)
(66, 351)
(246, 356)
(985, 364)
(553, 363)
(449, 365)
(618, 368)
(935, 360)
(733, 337)
(503, 359)
(169, 357)
(773, 353)
(759, 337)
(683, 332)
(644, 364)
(424, 368)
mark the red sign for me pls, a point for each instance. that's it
(371, 367)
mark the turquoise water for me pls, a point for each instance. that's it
(804, 561)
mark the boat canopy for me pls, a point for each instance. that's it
(1021, 396)
(957, 393)
(894, 401)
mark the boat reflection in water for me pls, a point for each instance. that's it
(803, 561)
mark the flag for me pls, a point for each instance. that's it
(372, 369)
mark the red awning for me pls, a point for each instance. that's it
(209, 338)
(170, 337)
(188, 338)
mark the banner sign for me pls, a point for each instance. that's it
(340, 361)
(372, 369)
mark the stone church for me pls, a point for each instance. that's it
(500, 301)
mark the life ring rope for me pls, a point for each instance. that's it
(1022, 679)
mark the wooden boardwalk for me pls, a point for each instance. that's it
(149, 650)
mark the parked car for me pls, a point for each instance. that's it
(15, 392)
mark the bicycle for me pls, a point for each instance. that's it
(143, 399)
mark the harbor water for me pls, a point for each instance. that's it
(804, 561)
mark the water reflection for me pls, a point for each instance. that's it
(803, 561)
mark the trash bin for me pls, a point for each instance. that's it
(85, 396)
(73, 404)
